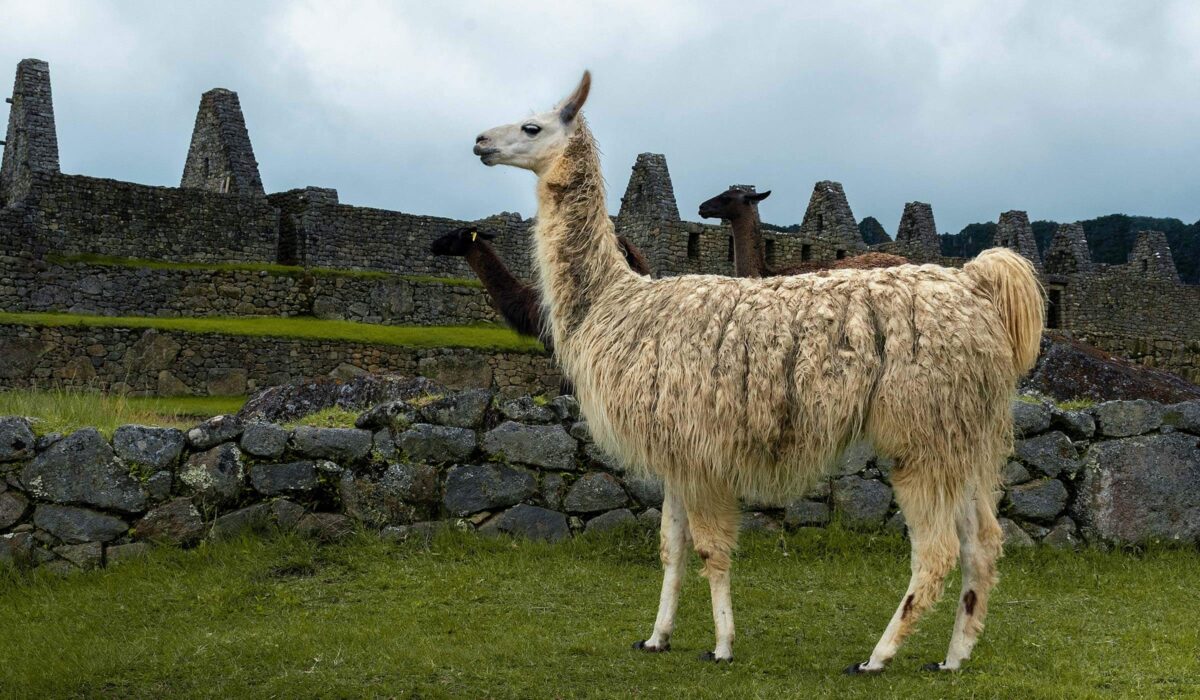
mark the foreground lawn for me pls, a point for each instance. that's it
(482, 336)
(61, 411)
(471, 617)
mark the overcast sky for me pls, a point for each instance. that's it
(1066, 109)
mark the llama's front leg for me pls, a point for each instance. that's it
(672, 549)
(714, 525)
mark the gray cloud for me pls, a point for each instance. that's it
(1066, 110)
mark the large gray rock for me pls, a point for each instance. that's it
(472, 488)
(156, 448)
(16, 439)
(388, 499)
(259, 517)
(862, 503)
(1141, 489)
(395, 414)
(1039, 501)
(1051, 454)
(215, 476)
(1029, 418)
(805, 513)
(463, 409)
(12, 507)
(611, 520)
(602, 459)
(287, 478)
(565, 407)
(1014, 536)
(82, 468)
(88, 555)
(1125, 418)
(175, 522)
(595, 492)
(338, 444)
(855, 458)
(286, 402)
(265, 440)
(214, 431)
(78, 525)
(1014, 473)
(530, 522)
(1078, 425)
(526, 410)
(648, 490)
(546, 446)
(1181, 416)
(437, 443)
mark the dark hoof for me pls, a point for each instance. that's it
(712, 658)
(643, 646)
(935, 667)
(858, 669)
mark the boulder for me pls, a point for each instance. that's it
(1125, 418)
(531, 522)
(526, 410)
(474, 488)
(804, 513)
(1062, 535)
(759, 522)
(265, 440)
(83, 469)
(1029, 418)
(175, 522)
(546, 446)
(158, 486)
(595, 492)
(1014, 536)
(554, 489)
(89, 555)
(855, 458)
(12, 506)
(78, 525)
(156, 448)
(16, 439)
(1181, 416)
(463, 409)
(437, 443)
(388, 498)
(215, 476)
(17, 548)
(1039, 501)
(1068, 369)
(338, 444)
(648, 490)
(287, 402)
(602, 459)
(581, 432)
(1078, 425)
(611, 520)
(651, 517)
(565, 407)
(861, 503)
(287, 478)
(1051, 454)
(255, 518)
(1014, 473)
(398, 414)
(214, 431)
(1141, 489)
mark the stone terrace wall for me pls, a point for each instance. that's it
(115, 290)
(79, 214)
(1124, 472)
(150, 362)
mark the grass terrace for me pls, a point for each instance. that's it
(480, 336)
(62, 411)
(471, 617)
(273, 268)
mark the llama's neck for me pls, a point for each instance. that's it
(749, 259)
(576, 247)
(490, 269)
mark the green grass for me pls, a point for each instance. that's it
(475, 618)
(480, 336)
(273, 268)
(332, 417)
(62, 411)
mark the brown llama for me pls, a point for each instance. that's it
(732, 387)
(740, 209)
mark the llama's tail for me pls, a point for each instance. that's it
(1013, 285)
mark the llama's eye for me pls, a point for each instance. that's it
(531, 129)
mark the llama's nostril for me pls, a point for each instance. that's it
(480, 138)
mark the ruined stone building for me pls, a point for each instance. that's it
(221, 245)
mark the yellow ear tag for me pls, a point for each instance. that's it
(474, 235)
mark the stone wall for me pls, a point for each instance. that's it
(1121, 473)
(148, 362)
(117, 290)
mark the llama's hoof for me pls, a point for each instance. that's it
(860, 669)
(711, 657)
(641, 645)
(935, 667)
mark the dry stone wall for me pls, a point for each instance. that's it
(1120, 473)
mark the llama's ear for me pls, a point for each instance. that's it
(571, 106)
(758, 196)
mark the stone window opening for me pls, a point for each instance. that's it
(1145, 265)
(1054, 308)
(693, 249)
(820, 222)
(806, 252)
(205, 161)
(841, 254)
(770, 252)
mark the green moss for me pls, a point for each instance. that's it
(1076, 404)
(272, 268)
(333, 417)
(63, 411)
(481, 336)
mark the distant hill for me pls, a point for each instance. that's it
(872, 231)
(1110, 238)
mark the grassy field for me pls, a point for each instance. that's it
(65, 411)
(472, 618)
(273, 268)
(481, 336)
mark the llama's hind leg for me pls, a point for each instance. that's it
(981, 542)
(934, 551)
(672, 548)
(714, 524)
